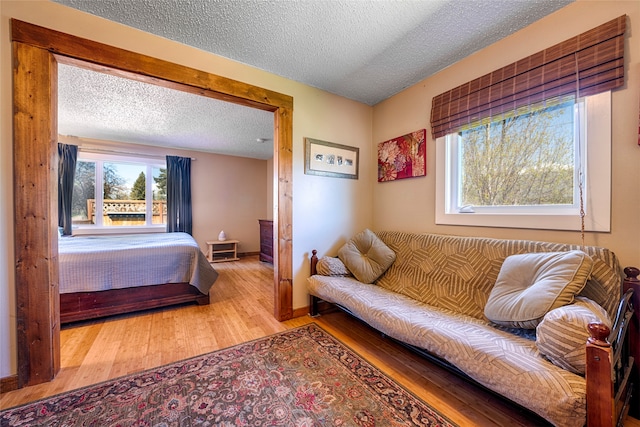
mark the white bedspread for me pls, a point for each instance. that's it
(98, 263)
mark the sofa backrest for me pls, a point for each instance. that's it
(457, 273)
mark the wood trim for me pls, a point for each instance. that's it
(282, 224)
(36, 214)
(323, 307)
(248, 254)
(36, 53)
(8, 384)
(299, 312)
(116, 61)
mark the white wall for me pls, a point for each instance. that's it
(325, 210)
(228, 193)
(409, 204)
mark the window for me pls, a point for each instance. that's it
(132, 195)
(532, 187)
(524, 170)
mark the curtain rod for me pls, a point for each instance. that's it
(122, 153)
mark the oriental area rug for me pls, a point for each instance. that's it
(301, 377)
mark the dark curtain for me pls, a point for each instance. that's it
(67, 157)
(179, 194)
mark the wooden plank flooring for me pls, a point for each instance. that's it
(241, 309)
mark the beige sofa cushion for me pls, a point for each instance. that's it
(530, 285)
(366, 256)
(458, 273)
(505, 363)
(562, 335)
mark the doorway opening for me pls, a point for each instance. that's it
(37, 51)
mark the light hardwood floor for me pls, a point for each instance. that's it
(241, 309)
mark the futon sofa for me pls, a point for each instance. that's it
(511, 315)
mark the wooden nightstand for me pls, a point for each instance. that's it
(222, 250)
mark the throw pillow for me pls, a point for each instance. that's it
(366, 256)
(330, 266)
(531, 285)
(562, 335)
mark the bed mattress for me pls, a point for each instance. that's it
(99, 263)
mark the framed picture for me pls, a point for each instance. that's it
(329, 159)
(402, 157)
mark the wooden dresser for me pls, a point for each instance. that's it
(266, 240)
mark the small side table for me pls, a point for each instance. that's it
(222, 250)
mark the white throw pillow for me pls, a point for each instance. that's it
(530, 285)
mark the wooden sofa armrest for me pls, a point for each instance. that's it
(632, 282)
(314, 310)
(611, 373)
(314, 262)
(600, 393)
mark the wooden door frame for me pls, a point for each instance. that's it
(36, 52)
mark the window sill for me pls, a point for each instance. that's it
(542, 222)
(93, 230)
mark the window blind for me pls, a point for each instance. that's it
(589, 63)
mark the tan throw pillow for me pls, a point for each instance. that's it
(366, 256)
(531, 285)
(330, 266)
(562, 335)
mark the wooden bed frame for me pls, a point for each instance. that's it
(79, 306)
(613, 356)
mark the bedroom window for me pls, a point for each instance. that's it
(131, 193)
(524, 170)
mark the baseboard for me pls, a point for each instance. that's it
(246, 254)
(299, 312)
(323, 307)
(8, 384)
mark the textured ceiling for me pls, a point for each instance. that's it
(366, 50)
(102, 106)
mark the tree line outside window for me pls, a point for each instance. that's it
(123, 198)
(520, 160)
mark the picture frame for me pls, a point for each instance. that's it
(403, 157)
(329, 159)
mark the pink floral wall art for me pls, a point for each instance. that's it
(402, 157)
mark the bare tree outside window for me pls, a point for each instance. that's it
(524, 160)
(115, 186)
(84, 187)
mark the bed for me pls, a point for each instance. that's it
(106, 275)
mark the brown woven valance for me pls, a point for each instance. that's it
(594, 59)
